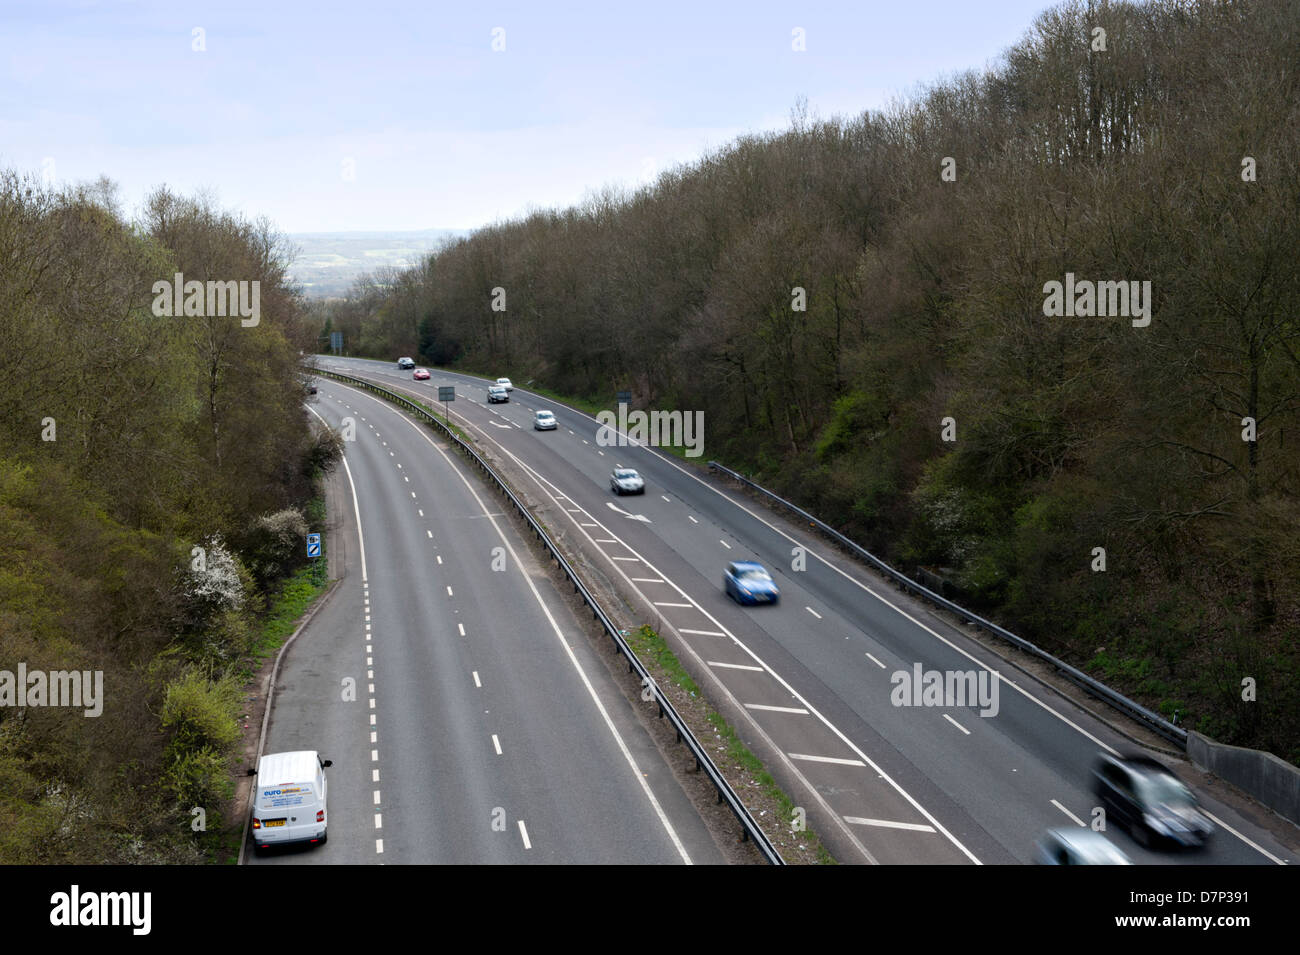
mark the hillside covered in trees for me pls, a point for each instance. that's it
(829, 295)
(127, 440)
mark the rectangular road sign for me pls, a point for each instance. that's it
(446, 392)
(313, 545)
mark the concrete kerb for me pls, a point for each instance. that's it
(270, 696)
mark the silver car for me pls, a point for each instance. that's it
(544, 421)
(626, 481)
(1077, 846)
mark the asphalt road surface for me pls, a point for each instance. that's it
(809, 683)
(481, 728)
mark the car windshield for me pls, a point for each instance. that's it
(625, 473)
(1166, 791)
(544, 414)
(753, 573)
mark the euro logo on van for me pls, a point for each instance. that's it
(289, 801)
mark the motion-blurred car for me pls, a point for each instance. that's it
(421, 374)
(505, 383)
(1077, 846)
(544, 421)
(749, 583)
(311, 389)
(405, 363)
(1149, 801)
(497, 393)
(626, 481)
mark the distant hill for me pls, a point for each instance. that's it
(329, 262)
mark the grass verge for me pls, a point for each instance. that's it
(667, 670)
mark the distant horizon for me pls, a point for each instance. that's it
(324, 120)
(378, 232)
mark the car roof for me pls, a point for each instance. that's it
(747, 565)
(544, 411)
(298, 766)
(1139, 763)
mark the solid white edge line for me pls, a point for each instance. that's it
(1250, 842)
(559, 635)
(356, 508)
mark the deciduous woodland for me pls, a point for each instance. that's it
(128, 440)
(1162, 149)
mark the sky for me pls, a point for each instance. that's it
(388, 116)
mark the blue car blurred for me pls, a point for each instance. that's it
(749, 583)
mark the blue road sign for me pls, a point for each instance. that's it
(313, 545)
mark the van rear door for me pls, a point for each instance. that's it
(284, 808)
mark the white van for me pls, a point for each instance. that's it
(289, 799)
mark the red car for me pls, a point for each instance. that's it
(421, 374)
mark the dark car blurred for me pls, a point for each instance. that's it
(405, 362)
(749, 583)
(1077, 846)
(1148, 800)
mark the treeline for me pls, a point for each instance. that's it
(831, 295)
(128, 440)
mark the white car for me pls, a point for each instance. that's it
(505, 383)
(544, 421)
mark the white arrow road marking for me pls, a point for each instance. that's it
(636, 517)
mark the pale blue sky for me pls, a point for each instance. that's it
(441, 130)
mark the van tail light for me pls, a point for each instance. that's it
(257, 823)
(320, 815)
